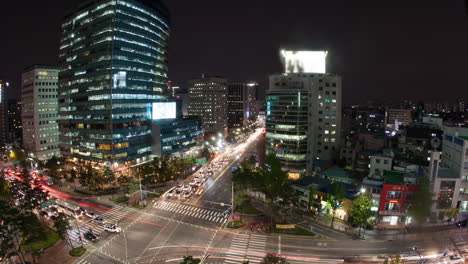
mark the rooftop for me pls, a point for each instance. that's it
(324, 185)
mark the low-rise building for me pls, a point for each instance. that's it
(392, 208)
(322, 187)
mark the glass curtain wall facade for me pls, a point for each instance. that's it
(113, 58)
(286, 125)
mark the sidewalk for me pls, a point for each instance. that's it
(57, 254)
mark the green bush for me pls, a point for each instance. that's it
(37, 244)
(153, 195)
(77, 252)
(121, 199)
(244, 206)
(296, 231)
(138, 206)
(235, 224)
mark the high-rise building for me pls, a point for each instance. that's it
(237, 105)
(303, 119)
(184, 101)
(3, 86)
(252, 101)
(15, 127)
(39, 111)
(114, 62)
(208, 100)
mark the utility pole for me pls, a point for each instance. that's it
(141, 192)
(232, 199)
(79, 231)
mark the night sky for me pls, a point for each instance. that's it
(400, 49)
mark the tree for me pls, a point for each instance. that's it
(452, 213)
(361, 211)
(53, 164)
(62, 225)
(419, 208)
(396, 260)
(4, 188)
(190, 260)
(252, 160)
(335, 198)
(272, 180)
(273, 259)
(312, 193)
(109, 176)
(205, 153)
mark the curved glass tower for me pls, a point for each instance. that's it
(113, 58)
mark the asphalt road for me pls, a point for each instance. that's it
(170, 229)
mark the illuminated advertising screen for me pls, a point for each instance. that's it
(164, 110)
(304, 61)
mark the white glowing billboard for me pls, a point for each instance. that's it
(302, 61)
(164, 110)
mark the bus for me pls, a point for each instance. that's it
(69, 208)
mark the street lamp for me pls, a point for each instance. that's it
(363, 190)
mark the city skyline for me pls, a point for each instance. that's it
(411, 49)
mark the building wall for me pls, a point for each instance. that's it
(115, 60)
(237, 101)
(3, 104)
(403, 116)
(184, 100)
(303, 118)
(455, 158)
(378, 164)
(208, 100)
(15, 128)
(395, 206)
(40, 111)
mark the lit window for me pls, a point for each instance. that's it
(327, 132)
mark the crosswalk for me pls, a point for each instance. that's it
(114, 215)
(246, 247)
(192, 211)
(82, 261)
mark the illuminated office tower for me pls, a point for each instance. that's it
(113, 56)
(208, 100)
(39, 111)
(242, 104)
(303, 116)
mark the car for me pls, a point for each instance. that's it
(81, 211)
(90, 214)
(170, 193)
(90, 236)
(98, 219)
(179, 188)
(54, 218)
(192, 182)
(112, 228)
(54, 210)
(456, 259)
(187, 195)
(187, 188)
(462, 223)
(44, 213)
